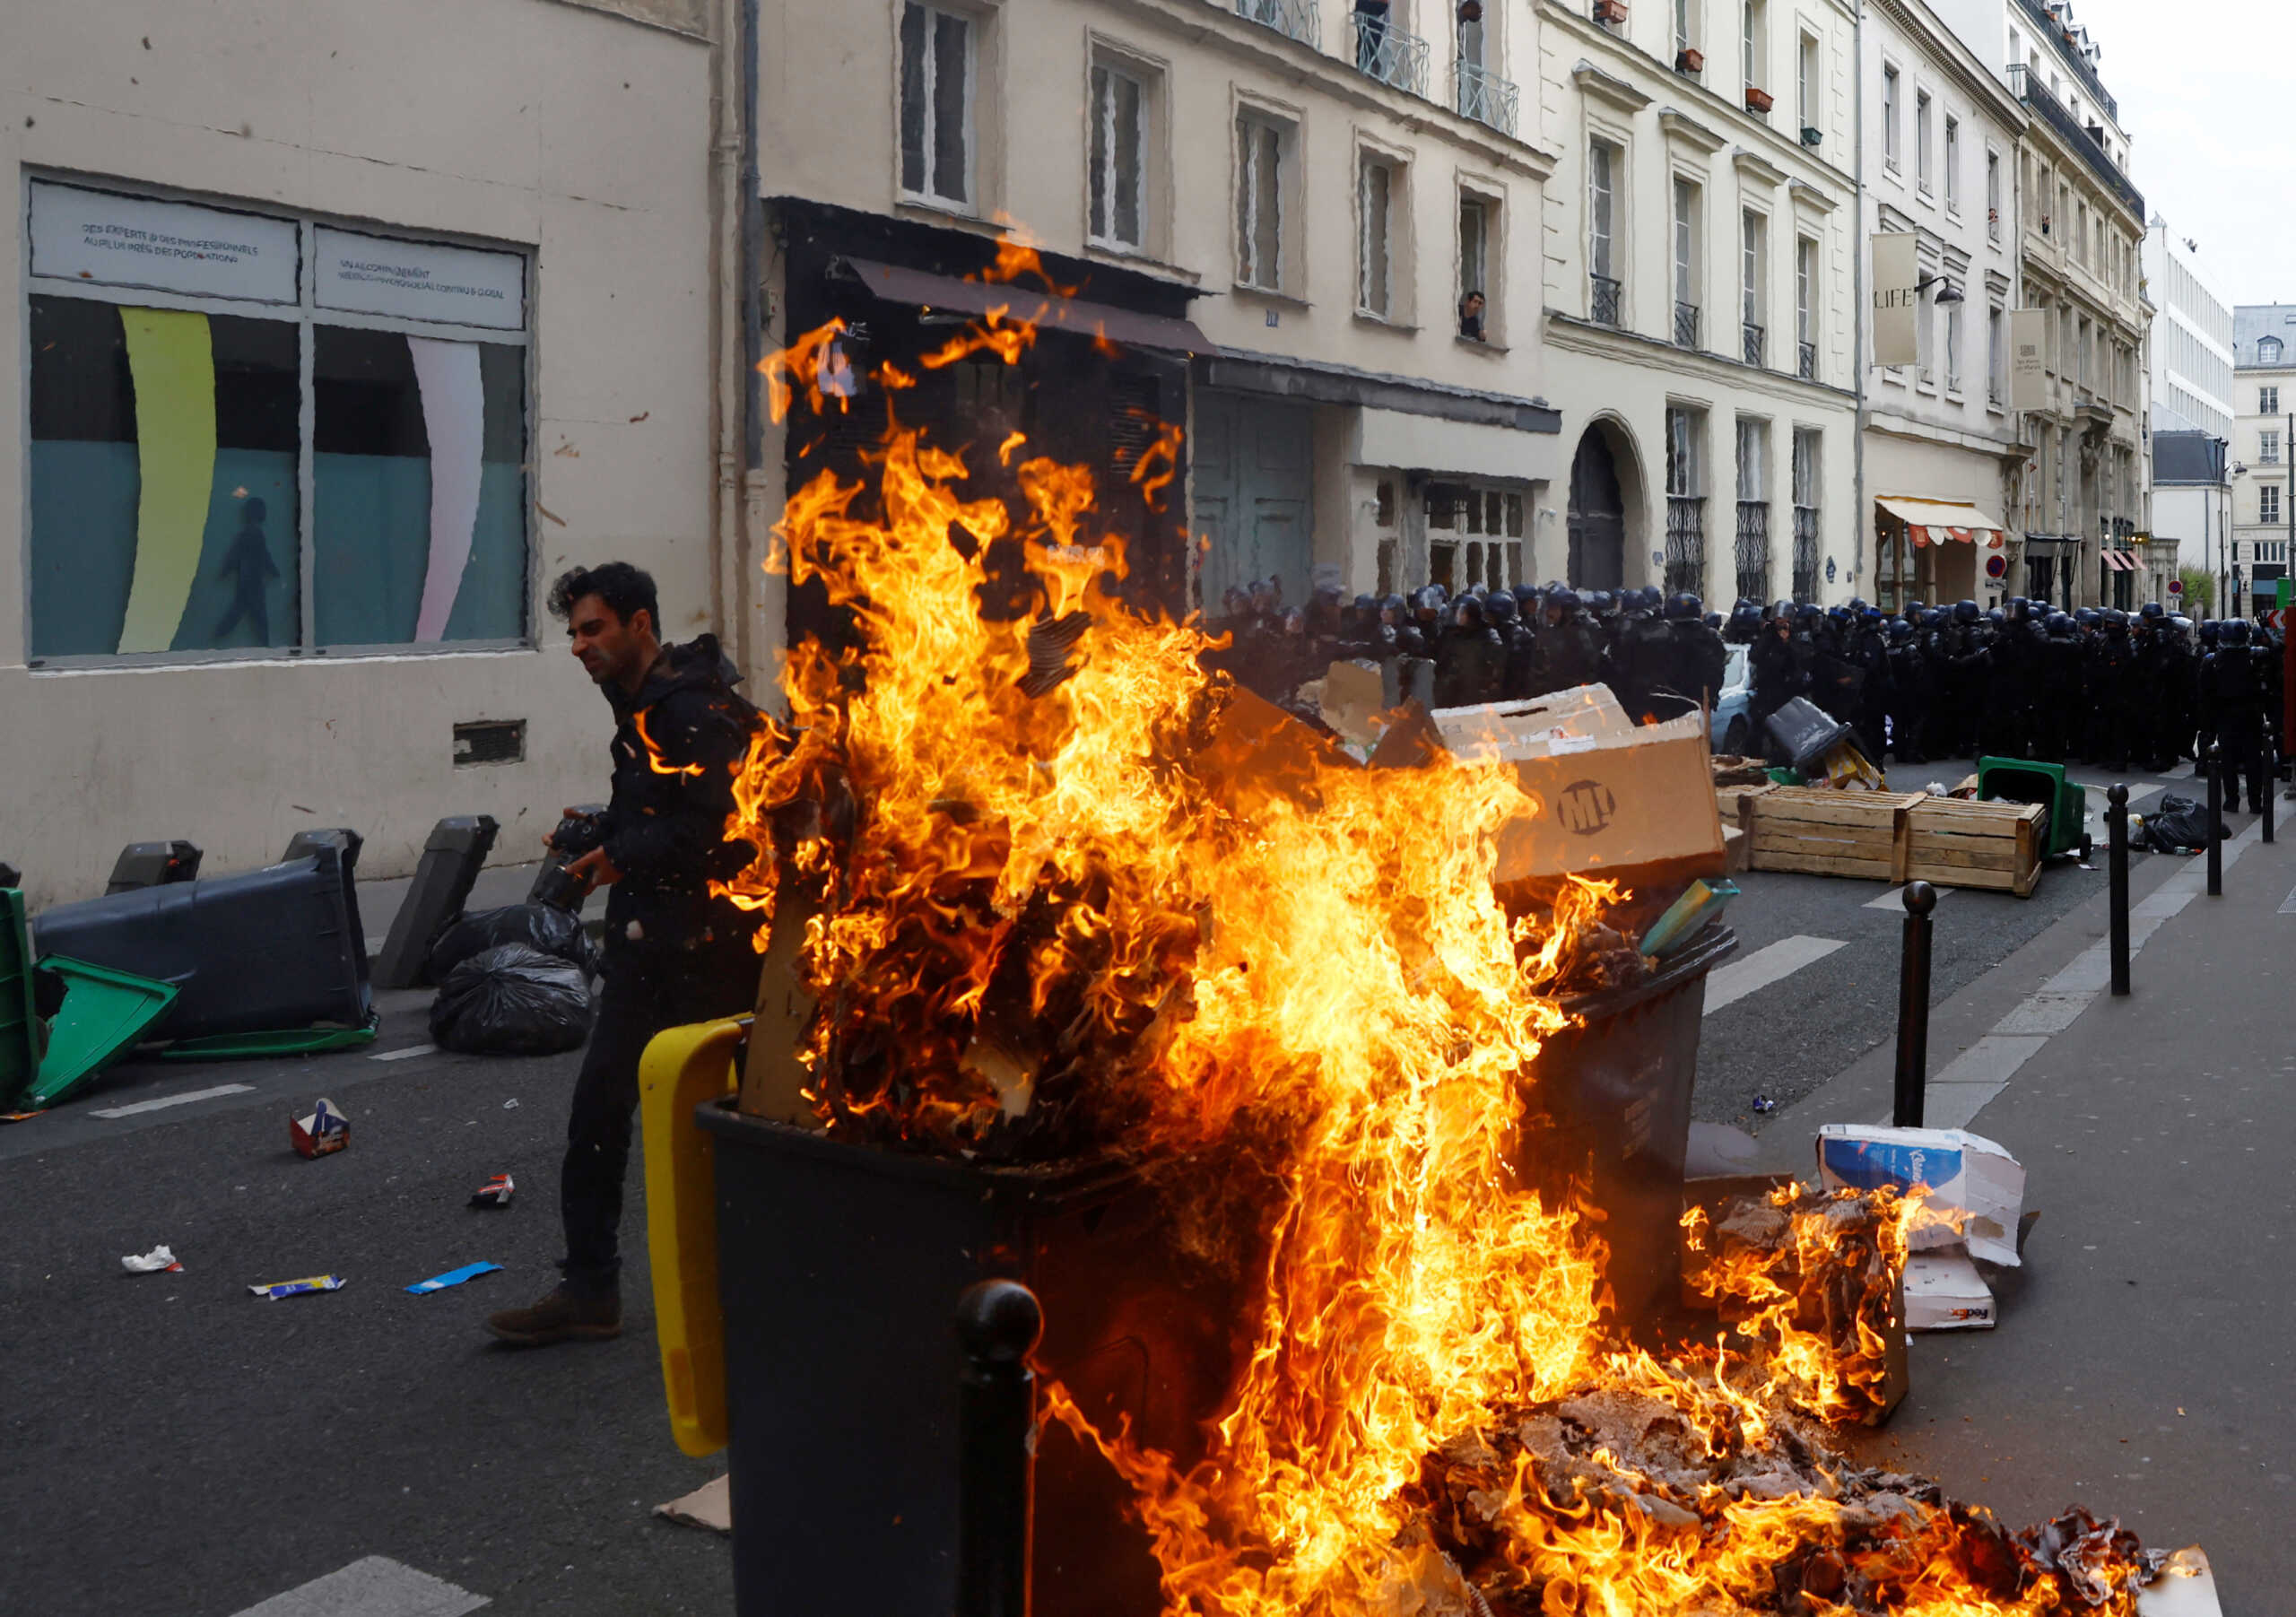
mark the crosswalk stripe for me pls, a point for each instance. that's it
(168, 1100)
(1726, 984)
(1895, 898)
(412, 1049)
(376, 1586)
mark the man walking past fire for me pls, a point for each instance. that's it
(673, 955)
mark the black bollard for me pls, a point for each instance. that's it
(1913, 1005)
(2117, 828)
(998, 1323)
(2215, 761)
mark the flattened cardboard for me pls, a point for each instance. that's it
(1943, 1292)
(1972, 1180)
(2187, 1587)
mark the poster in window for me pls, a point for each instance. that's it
(100, 238)
(418, 279)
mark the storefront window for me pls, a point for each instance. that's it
(217, 466)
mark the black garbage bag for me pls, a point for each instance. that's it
(511, 1000)
(2180, 822)
(557, 933)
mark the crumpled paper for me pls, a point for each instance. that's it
(153, 1262)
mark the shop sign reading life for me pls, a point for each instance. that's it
(418, 279)
(176, 247)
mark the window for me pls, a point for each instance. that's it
(1685, 27)
(1921, 138)
(2268, 449)
(1993, 195)
(1119, 157)
(2080, 233)
(1685, 551)
(1686, 255)
(1757, 46)
(1953, 163)
(1483, 535)
(1954, 346)
(1753, 508)
(2268, 354)
(1890, 150)
(1995, 357)
(1376, 185)
(2267, 398)
(936, 68)
(1805, 307)
(1479, 239)
(1924, 337)
(1806, 84)
(1754, 270)
(1262, 147)
(1806, 444)
(246, 470)
(2268, 502)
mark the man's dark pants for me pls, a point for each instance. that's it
(640, 1001)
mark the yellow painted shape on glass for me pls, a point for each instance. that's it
(172, 360)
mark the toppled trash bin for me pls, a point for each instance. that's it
(511, 1000)
(1806, 732)
(102, 1015)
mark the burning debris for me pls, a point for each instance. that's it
(1063, 892)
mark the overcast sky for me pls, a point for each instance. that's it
(2206, 99)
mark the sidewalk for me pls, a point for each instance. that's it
(2138, 1368)
(497, 885)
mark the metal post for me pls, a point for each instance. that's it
(2213, 762)
(1913, 1005)
(998, 1324)
(2117, 828)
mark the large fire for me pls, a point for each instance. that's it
(1053, 904)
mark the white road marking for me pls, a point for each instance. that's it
(167, 1100)
(2183, 771)
(1726, 984)
(2288, 904)
(377, 1586)
(1895, 898)
(412, 1049)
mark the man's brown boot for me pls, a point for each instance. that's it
(562, 1316)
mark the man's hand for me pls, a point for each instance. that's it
(594, 870)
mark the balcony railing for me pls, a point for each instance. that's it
(1686, 325)
(1386, 53)
(1808, 372)
(2035, 94)
(1685, 544)
(1603, 301)
(1754, 335)
(2081, 67)
(1806, 552)
(1483, 96)
(1753, 549)
(1293, 19)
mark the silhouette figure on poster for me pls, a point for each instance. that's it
(249, 565)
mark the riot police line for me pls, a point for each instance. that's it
(2112, 689)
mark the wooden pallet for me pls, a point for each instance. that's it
(1821, 831)
(1960, 842)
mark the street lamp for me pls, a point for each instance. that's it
(1948, 294)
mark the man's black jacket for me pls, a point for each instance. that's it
(678, 744)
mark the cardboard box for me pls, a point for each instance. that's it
(2187, 1587)
(1608, 796)
(324, 1130)
(1973, 1183)
(1943, 1292)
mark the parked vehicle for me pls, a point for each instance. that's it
(1732, 730)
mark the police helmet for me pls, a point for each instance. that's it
(1685, 608)
(2232, 632)
(1966, 611)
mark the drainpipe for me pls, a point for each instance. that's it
(1865, 313)
(738, 303)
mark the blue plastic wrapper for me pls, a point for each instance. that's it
(452, 1277)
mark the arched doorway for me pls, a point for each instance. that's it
(1597, 517)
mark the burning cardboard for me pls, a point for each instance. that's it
(1943, 1292)
(1975, 1188)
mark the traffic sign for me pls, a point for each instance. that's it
(2269, 618)
(2176, 586)
(1996, 565)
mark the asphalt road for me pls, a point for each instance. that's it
(175, 1445)
(1782, 1041)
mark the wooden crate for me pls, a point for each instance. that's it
(1822, 831)
(1960, 842)
(1735, 804)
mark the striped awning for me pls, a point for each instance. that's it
(2122, 562)
(1942, 521)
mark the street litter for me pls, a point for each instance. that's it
(297, 1287)
(157, 1260)
(510, 1105)
(2185, 1586)
(1975, 1188)
(452, 1277)
(710, 1505)
(511, 1000)
(325, 1130)
(1764, 1103)
(495, 1192)
(1943, 1292)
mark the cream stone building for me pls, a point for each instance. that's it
(2248, 569)
(2082, 226)
(1701, 250)
(334, 343)
(1259, 220)
(1941, 452)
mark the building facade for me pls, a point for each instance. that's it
(331, 354)
(2192, 509)
(1701, 243)
(2264, 387)
(1939, 159)
(1262, 220)
(2189, 357)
